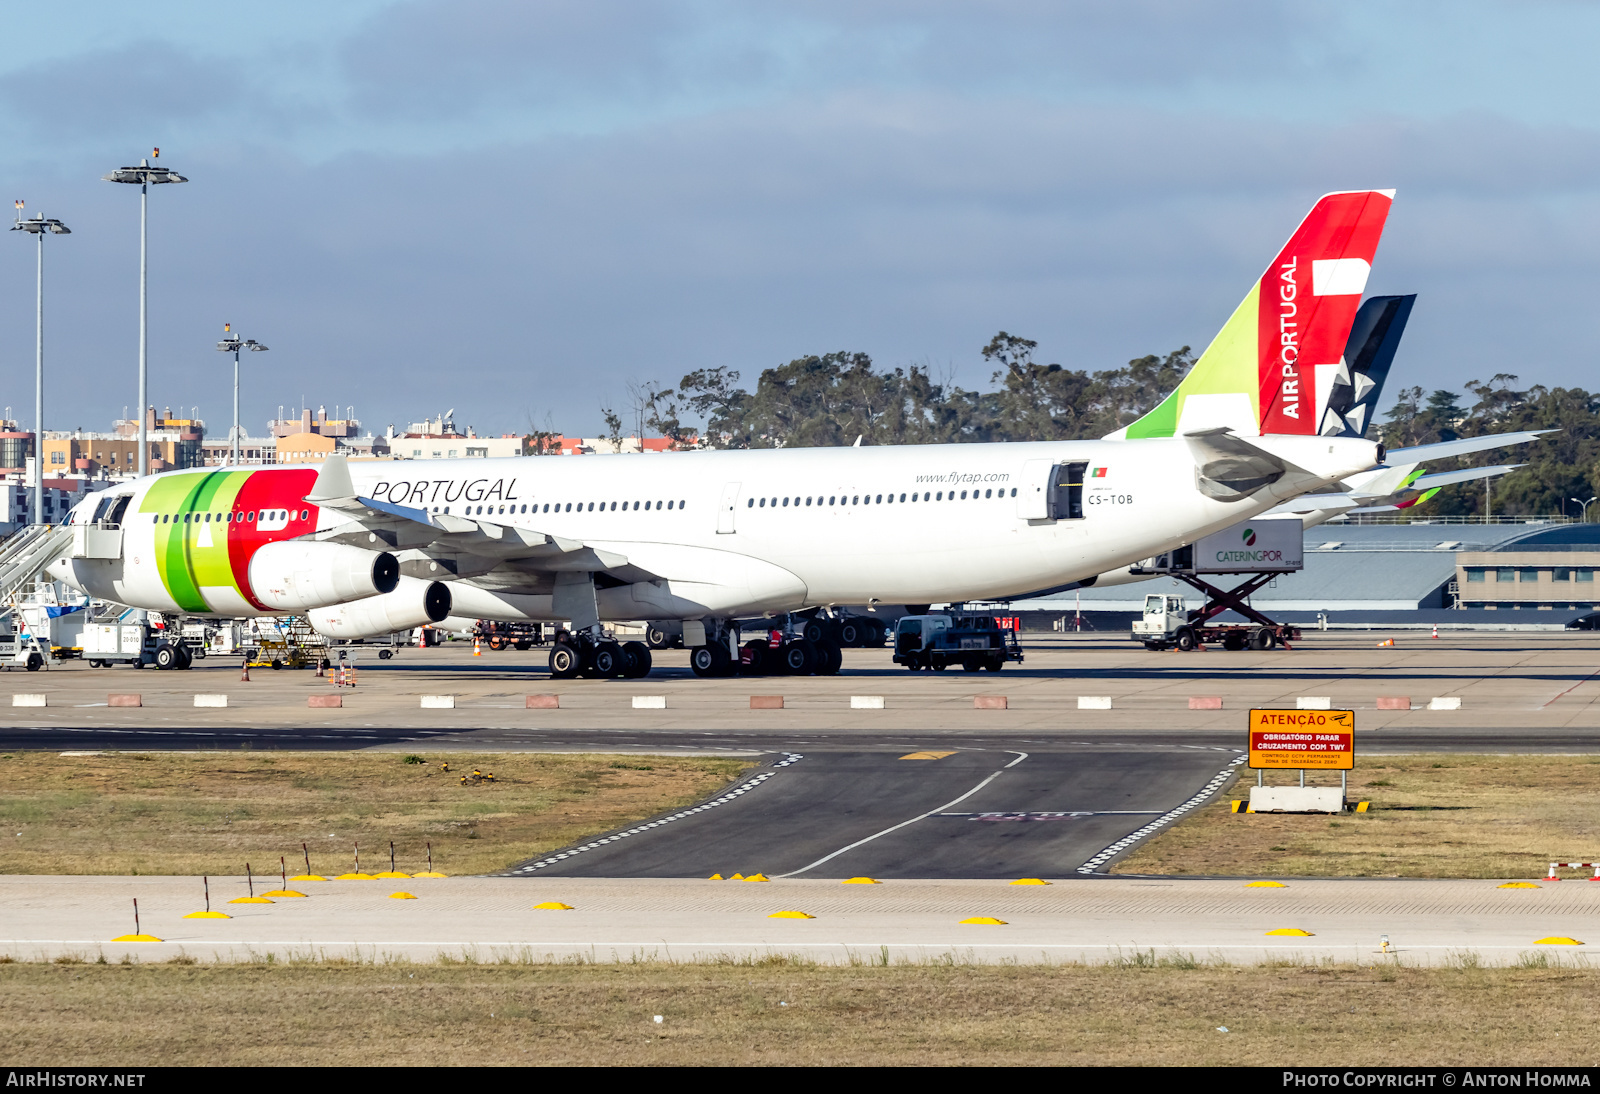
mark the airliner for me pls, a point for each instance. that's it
(708, 537)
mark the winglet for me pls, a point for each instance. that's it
(333, 481)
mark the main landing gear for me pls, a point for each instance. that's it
(787, 650)
(585, 654)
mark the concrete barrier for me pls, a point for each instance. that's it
(210, 700)
(544, 702)
(766, 702)
(990, 702)
(325, 701)
(1313, 702)
(1094, 702)
(866, 702)
(1205, 702)
(1445, 702)
(1394, 702)
(35, 699)
(126, 699)
(438, 702)
(649, 702)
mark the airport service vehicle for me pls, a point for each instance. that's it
(938, 641)
(1262, 548)
(706, 538)
(1167, 624)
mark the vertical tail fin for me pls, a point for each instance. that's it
(1274, 364)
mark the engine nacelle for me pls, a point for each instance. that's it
(414, 603)
(296, 576)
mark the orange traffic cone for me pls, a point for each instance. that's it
(244, 670)
(1436, 630)
(477, 648)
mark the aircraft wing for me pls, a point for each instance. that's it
(440, 545)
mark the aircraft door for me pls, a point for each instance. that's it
(727, 507)
(1033, 501)
(1066, 500)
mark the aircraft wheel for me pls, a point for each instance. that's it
(384, 655)
(703, 660)
(657, 638)
(167, 657)
(564, 662)
(798, 658)
(608, 661)
(639, 660)
(850, 633)
(815, 631)
(830, 658)
(1185, 639)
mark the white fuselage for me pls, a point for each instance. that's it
(742, 532)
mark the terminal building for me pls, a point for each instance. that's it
(1370, 574)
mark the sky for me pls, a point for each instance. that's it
(517, 209)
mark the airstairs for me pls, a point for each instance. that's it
(24, 556)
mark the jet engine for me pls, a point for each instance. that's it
(296, 576)
(412, 603)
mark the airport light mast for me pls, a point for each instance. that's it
(144, 176)
(38, 226)
(1585, 518)
(234, 344)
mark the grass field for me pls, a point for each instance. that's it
(1432, 815)
(209, 813)
(793, 1014)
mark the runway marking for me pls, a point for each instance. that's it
(1580, 683)
(732, 795)
(895, 828)
(927, 755)
(1154, 826)
(1024, 815)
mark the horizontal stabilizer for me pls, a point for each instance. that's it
(1443, 450)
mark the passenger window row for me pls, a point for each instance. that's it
(469, 511)
(877, 499)
(229, 518)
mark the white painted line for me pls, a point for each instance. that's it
(28, 699)
(732, 795)
(866, 702)
(1314, 702)
(1155, 826)
(1094, 702)
(649, 702)
(924, 816)
(438, 702)
(210, 700)
(1445, 702)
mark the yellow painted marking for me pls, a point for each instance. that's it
(927, 755)
(1557, 940)
(1030, 881)
(1294, 931)
(986, 921)
(402, 896)
(552, 906)
(1517, 885)
(1266, 885)
(791, 915)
